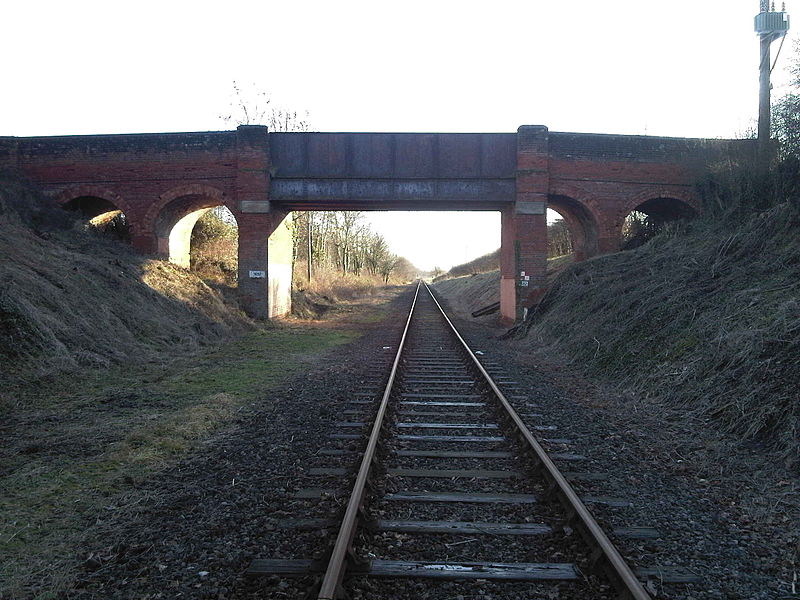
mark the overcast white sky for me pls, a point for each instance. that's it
(677, 68)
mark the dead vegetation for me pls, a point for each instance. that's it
(71, 298)
(471, 292)
(330, 287)
(482, 264)
(115, 367)
(214, 244)
(704, 316)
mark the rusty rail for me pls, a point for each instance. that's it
(579, 516)
(337, 565)
(615, 566)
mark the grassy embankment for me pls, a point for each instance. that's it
(475, 285)
(113, 367)
(705, 316)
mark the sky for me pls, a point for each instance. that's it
(677, 68)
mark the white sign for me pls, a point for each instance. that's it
(531, 208)
(258, 274)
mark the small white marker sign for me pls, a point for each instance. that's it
(258, 274)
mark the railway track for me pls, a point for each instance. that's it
(452, 485)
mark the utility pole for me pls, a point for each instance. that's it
(770, 26)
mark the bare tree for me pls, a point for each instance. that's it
(251, 106)
(786, 113)
(559, 240)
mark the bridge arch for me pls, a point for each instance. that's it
(101, 207)
(173, 217)
(581, 220)
(677, 199)
(660, 206)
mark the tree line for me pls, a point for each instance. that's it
(345, 242)
(786, 114)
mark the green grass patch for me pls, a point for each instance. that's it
(111, 428)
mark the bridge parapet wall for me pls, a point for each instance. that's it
(136, 168)
(610, 175)
(391, 171)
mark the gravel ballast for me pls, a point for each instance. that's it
(726, 513)
(192, 531)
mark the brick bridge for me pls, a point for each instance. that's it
(164, 182)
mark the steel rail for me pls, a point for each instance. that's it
(337, 564)
(624, 578)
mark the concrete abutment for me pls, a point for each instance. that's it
(265, 264)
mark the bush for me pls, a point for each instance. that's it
(215, 246)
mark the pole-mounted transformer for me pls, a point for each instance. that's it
(770, 25)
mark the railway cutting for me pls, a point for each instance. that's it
(453, 486)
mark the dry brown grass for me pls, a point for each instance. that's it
(71, 299)
(707, 318)
(472, 292)
(329, 287)
(482, 264)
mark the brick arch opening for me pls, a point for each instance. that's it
(177, 216)
(214, 245)
(647, 218)
(100, 213)
(581, 222)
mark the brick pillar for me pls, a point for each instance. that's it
(256, 222)
(524, 228)
(609, 243)
(253, 284)
(144, 243)
(143, 240)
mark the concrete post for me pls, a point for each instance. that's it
(764, 105)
